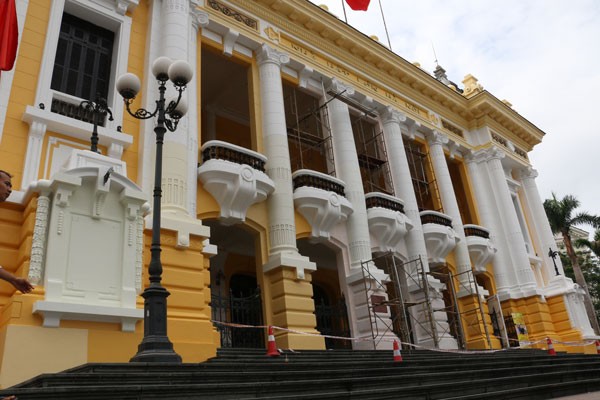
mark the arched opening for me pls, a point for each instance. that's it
(235, 293)
(330, 305)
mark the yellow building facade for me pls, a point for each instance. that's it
(318, 183)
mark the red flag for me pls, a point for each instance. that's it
(357, 5)
(9, 34)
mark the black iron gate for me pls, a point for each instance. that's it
(245, 310)
(332, 320)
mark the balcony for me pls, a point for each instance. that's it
(480, 246)
(320, 199)
(235, 177)
(440, 238)
(387, 222)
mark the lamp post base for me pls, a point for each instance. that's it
(156, 349)
(156, 346)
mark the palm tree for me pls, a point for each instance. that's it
(561, 215)
(593, 246)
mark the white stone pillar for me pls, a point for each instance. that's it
(403, 184)
(392, 121)
(444, 182)
(476, 165)
(177, 26)
(348, 170)
(540, 221)
(282, 225)
(512, 229)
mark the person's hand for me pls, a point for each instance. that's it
(23, 285)
(9, 398)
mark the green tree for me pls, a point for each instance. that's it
(562, 216)
(593, 246)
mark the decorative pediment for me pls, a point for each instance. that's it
(480, 246)
(320, 199)
(235, 177)
(387, 222)
(440, 237)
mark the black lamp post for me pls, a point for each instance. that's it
(156, 347)
(98, 108)
(553, 255)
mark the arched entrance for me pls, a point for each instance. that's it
(330, 306)
(235, 292)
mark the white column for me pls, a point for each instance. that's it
(400, 171)
(199, 19)
(348, 169)
(282, 225)
(176, 24)
(442, 175)
(512, 230)
(540, 221)
(415, 240)
(476, 166)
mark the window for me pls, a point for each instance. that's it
(420, 171)
(83, 59)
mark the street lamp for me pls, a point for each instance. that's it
(97, 108)
(553, 255)
(156, 347)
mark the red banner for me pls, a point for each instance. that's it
(358, 5)
(9, 34)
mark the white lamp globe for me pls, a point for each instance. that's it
(180, 72)
(128, 85)
(160, 68)
(181, 109)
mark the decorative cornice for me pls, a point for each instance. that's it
(233, 13)
(349, 47)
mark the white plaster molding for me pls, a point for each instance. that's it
(93, 209)
(74, 128)
(322, 209)
(387, 226)
(440, 240)
(54, 311)
(229, 40)
(290, 259)
(481, 249)
(235, 186)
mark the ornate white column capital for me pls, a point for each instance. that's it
(340, 87)
(122, 6)
(437, 137)
(199, 18)
(266, 54)
(528, 173)
(391, 115)
(494, 153)
(475, 156)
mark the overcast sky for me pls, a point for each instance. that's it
(541, 55)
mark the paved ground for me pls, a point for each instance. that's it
(584, 396)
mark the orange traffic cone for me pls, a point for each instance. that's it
(397, 355)
(550, 347)
(598, 346)
(272, 346)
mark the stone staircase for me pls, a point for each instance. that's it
(336, 374)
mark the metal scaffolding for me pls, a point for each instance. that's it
(402, 315)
